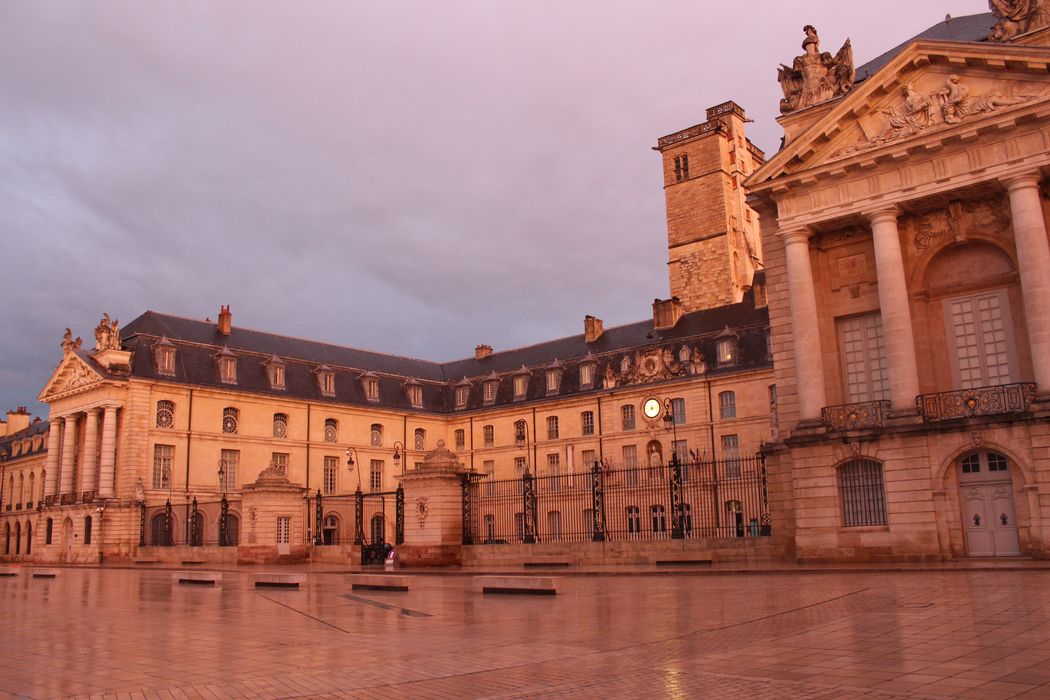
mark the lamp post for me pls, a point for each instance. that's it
(351, 460)
(224, 506)
(528, 489)
(399, 450)
(521, 438)
(677, 524)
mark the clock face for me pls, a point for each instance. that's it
(651, 408)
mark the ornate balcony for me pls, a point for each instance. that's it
(980, 401)
(67, 499)
(855, 416)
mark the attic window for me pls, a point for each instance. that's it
(326, 381)
(587, 375)
(462, 392)
(415, 396)
(164, 356)
(370, 383)
(227, 362)
(726, 347)
(489, 391)
(521, 384)
(553, 381)
(275, 371)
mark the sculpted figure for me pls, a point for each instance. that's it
(815, 77)
(107, 334)
(67, 341)
(1015, 17)
(910, 116)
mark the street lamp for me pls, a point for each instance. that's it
(224, 505)
(399, 449)
(351, 459)
(223, 464)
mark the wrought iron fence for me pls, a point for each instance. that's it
(978, 401)
(361, 518)
(681, 500)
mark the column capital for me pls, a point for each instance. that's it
(796, 235)
(93, 411)
(1021, 180)
(883, 213)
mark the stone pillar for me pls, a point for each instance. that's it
(1033, 263)
(89, 479)
(69, 449)
(805, 329)
(434, 511)
(54, 442)
(897, 330)
(109, 453)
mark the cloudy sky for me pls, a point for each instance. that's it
(411, 176)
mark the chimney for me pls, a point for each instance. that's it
(592, 328)
(17, 420)
(224, 320)
(482, 351)
(666, 313)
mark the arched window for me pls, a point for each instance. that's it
(230, 417)
(421, 439)
(43, 481)
(87, 529)
(197, 529)
(862, 492)
(18, 538)
(165, 414)
(29, 539)
(159, 535)
(377, 434)
(727, 404)
(233, 530)
(32, 489)
(378, 529)
(654, 452)
(21, 491)
(280, 425)
(331, 430)
(7, 538)
(50, 531)
(330, 533)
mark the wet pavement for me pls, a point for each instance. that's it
(871, 633)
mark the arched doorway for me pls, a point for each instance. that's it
(159, 536)
(18, 538)
(7, 538)
(29, 539)
(986, 497)
(233, 529)
(67, 538)
(378, 529)
(330, 529)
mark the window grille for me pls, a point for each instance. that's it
(230, 416)
(280, 425)
(165, 414)
(331, 430)
(863, 493)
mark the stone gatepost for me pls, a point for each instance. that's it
(433, 511)
(273, 526)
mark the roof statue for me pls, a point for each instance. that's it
(68, 344)
(1015, 17)
(815, 77)
(107, 334)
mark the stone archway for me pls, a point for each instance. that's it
(986, 502)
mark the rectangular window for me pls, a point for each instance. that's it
(415, 396)
(375, 477)
(461, 439)
(520, 384)
(280, 461)
(589, 457)
(331, 468)
(630, 463)
(727, 404)
(726, 351)
(372, 389)
(587, 422)
(863, 493)
(554, 470)
(489, 468)
(979, 330)
(163, 457)
(166, 361)
(627, 415)
(231, 461)
(552, 427)
(634, 521)
(681, 448)
(731, 454)
(489, 435)
(284, 529)
(489, 389)
(586, 375)
(863, 353)
(461, 396)
(678, 411)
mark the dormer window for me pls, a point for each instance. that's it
(370, 384)
(275, 367)
(521, 383)
(164, 356)
(587, 371)
(227, 363)
(489, 388)
(325, 380)
(726, 347)
(462, 393)
(554, 378)
(414, 392)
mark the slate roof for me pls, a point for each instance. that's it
(968, 28)
(197, 343)
(35, 428)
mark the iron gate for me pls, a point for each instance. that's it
(378, 516)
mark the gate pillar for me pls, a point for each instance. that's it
(433, 504)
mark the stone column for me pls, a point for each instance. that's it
(805, 329)
(1033, 263)
(897, 330)
(54, 449)
(109, 453)
(89, 470)
(69, 450)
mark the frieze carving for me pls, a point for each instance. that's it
(107, 334)
(917, 112)
(815, 77)
(1014, 17)
(988, 215)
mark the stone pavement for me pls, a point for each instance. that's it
(864, 634)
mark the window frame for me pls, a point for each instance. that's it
(862, 496)
(727, 404)
(587, 423)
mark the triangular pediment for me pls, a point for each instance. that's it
(73, 375)
(930, 92)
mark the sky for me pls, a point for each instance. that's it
(410, 177)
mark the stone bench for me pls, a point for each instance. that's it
(378, 582)
(45, 573)
(279, 580)
(198, 578)
(8, 571)
(524, 585)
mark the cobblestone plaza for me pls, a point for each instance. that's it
(873, 634)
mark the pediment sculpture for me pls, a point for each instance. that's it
(107, 334)
(917, 111)
(68, 344)
(815, 77)
(1014, 17)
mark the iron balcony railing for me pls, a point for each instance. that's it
(979, 401)
(855, 416)
(689, 500)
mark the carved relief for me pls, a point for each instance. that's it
(422, 509)
(987, 215)
(815, 77)
(917, 111)
(653, 365)
(1015, 17)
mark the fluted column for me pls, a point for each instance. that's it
(109, 453)
(1033, 264)
(805, 328)
(69, 450)
(89, 470)
(897, 330)
(54, 450)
